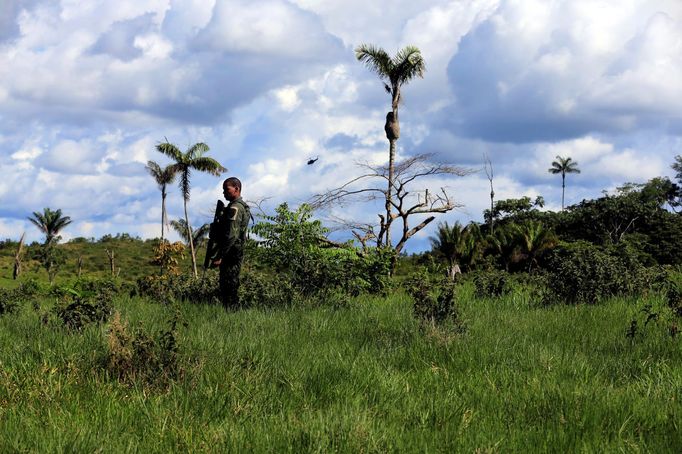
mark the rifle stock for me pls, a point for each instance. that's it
(213, 234)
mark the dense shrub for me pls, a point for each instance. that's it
(490, 283)
(434, 300)
(294, 248)
(10, 300)
(81, 312)
(581, 272)
(260, 289)
(169, 288)
(75, 310)
(673, 287)
(135, 357)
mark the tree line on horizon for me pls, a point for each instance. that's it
(523, 233)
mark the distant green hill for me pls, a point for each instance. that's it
(132, 257)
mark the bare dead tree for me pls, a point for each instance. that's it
(405, 202)
(111, 255)
(488, 166)
(17, 258)
(80, 265)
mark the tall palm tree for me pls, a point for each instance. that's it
(192, 159)
(563, 166)
(199, 235)
(163, 178)
(50, 223)
(407, 64)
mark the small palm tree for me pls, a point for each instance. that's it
(50, 223)
(407, 64)
(457, 243)
(163, 177)
(199, 236)
(502, 244)
(192, 159)
(534, 240)
(563, 166)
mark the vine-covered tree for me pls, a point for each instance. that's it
(395, 72)
(563, 166)
(192, 159)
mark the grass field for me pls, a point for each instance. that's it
(364, 378)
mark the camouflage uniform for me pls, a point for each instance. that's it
(232, 226)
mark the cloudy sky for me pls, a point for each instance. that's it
(88, 88)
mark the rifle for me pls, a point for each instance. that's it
(213, 235)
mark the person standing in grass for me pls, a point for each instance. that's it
(232, 225)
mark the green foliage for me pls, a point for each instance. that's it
(291, 247)
(12, 299)
(584, 273)
(136, 358)
(9, 301)
(515, 210)
(459, 245)
(169, 288)
(434, 300)
(262, 289)
(673, 288)
(51, 258)
(76, 311)
(50, 223)
(490, 283)
(635, 209)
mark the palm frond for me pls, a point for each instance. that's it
(197, 150)
(170, 150)
(376, 59)
(208, 165)
(408, 63)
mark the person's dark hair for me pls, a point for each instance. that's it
(234, 182)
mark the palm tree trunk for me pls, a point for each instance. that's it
(163, 221)
(389, 192)
(191, 243)
(163, 213)
(563, 188)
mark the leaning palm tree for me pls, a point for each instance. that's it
(407, 64)
(199, 236)
(50, 223)
(563, 166)
(192, 159)
(163, 178)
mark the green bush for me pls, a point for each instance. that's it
(10, 300)
(292, 248)
(582, 272)
(135, 357)
(260, 289)
(76, 311)
(169, 288)
(434, 300)
(490, 283)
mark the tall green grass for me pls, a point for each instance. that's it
(365, 378)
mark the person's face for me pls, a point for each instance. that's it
(230, 192)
